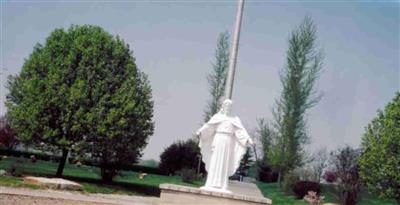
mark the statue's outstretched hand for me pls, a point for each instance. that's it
(250, 141)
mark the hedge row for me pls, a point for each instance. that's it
(26, 154)
(55, 158)
(134, 167)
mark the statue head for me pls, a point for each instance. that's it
(226, 107)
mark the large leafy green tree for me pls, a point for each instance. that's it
(117, 135)
(303, 65)
(82, 87)
(217, 79)
(380, 160)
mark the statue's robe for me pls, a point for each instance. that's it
(222, 143)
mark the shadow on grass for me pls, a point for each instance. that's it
(139, 188)
(111, 187)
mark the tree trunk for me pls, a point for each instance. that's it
(199, 164)
(107, 173)
(255, 152)
(62, 162)
(280, 178)
(350, 198)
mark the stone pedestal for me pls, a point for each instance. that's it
(242, 193)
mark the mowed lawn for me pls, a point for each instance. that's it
(272, 191)
(49, 168)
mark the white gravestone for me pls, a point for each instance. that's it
(223, 142)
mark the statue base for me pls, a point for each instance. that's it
(215, 190)
(241, 194)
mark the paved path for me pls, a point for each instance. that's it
(241, 194)
(16, 196)
(244, 188)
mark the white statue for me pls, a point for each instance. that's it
(223, 142)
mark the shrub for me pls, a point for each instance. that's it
(188, 175)
(301, 188)
(180, 155)
(330, 176)
(7, 135)
(289, 180)
(313, 198)
(265, 173)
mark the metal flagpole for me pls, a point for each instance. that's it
(234, 51)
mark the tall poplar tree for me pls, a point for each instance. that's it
(303, 65)
(217, 79)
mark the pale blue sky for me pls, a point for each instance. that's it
(174, 44)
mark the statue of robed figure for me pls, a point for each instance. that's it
(223, 141)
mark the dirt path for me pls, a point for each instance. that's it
(23, 196)
(22, 200)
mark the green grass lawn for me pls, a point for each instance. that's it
(87, 187)
(70, 170)
(15, 182)
(273, 192)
